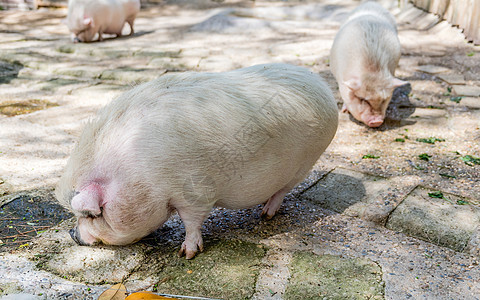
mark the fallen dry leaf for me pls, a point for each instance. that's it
(145, 295)
(116, 292)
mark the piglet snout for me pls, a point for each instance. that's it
(375, 121)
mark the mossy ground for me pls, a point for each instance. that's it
(227, 269)
(333, 277)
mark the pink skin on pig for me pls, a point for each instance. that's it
(184, 142)
(88, 200)
(363, 59)
(102, 219)
(86, 18)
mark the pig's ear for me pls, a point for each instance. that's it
(87, 21)
(87, 202)
(354, 84)
(397, 82)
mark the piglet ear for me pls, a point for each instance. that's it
(354, 84)
(87, 202)
(397, 82)
(87, 21)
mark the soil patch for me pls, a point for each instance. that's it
(25, 217)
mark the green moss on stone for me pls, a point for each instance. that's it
(227, 269)
(333, 277)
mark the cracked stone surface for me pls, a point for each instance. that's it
(364, 208)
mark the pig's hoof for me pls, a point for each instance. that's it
(266, 214)
(189, 252)
(273, 204)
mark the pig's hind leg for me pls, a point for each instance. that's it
(130, 23)
(273, 204)
(100, 37)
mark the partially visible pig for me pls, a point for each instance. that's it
(192, 141)
(86, 18)
(363, 58)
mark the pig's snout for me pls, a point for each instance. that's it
(375, 121)
(75, 234)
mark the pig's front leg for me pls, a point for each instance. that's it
(192, 218)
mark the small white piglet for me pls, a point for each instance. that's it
(86, 18)
(363, 59)
(192, 141)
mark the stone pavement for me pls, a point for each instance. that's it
(388, 213)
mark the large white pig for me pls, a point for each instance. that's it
(86, 18)
(363, 59)
(191, 141)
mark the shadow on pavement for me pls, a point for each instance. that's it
(9, 71)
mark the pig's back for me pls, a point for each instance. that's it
(368, 38)
(243, 134)
(375, 10)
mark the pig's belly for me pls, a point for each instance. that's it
(114, 28)
(237, 201)
(242, 194)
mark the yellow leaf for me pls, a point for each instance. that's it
(145, 296)
(116, 292)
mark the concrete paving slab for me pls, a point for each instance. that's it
(411, 268)
(357, 194)
(452, 78)
(5, 188)
(77, 71)
(18, 274)
(227, 269)
(274, 277)
(333, 277)
(432, 69)
(437, 217)
(95, 265)
(467, 90)
(428, 118)
(129, 75)
(471, 102)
